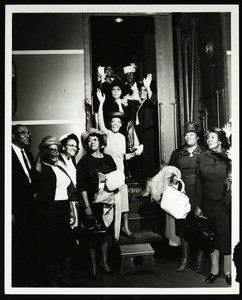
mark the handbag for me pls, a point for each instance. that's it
(175, 202)
(89, 224)
(199, 231)
(72, 193)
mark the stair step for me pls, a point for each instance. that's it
(142, 207)
(137, 216)
(140, 237)
(137, 223)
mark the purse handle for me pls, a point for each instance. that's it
(183, 186)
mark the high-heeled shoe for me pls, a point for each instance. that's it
(93, 277)
(130, 236)
(183, 266)
(228, 279)
(67, 283)
(108, 272)
(211, 277)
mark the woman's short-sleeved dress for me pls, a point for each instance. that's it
(116, 147)
(87, 178)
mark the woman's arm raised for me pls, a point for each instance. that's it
(101, 99)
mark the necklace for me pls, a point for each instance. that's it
(191, 154)
(98, 155)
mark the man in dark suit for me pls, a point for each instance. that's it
(22, 203)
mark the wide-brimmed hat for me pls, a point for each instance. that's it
(47, 141)
(117, 114)
(117, 82)
(93, 131)
(191, 127)
(130, 69)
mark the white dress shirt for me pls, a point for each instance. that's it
(17, 150)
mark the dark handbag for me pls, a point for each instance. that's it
(89, 224)
(72, 192)
(200, 232)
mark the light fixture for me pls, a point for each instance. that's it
(118, 20)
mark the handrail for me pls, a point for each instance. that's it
(215, 93)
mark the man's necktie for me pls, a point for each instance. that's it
(25, 160)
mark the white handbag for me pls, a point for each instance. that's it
(175, 202)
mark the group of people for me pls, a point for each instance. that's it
(57, 193)
(206, 172)
(138, 102)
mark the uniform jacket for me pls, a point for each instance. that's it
(45, 183)
(211, 170)
(181, 159)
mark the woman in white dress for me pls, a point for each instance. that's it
(116, 147)
(69, 150)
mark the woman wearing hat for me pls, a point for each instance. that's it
(131, 89)
(115, 103)
(68, 152)
(146, 125)
(116, 147)
(92, 163)
(105, 78)
(212, 198)
(184, 159)
(55, 241)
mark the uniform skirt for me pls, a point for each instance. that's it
(54, 236)
(220, 214)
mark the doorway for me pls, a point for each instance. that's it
(119, 41)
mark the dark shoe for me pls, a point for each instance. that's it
(67, 283)
(199, 268)
(93, 277)
(211, 278)
(182, 266)
(108, 272)
(130, 236)
(228, 279)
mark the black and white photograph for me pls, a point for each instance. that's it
(121, 149)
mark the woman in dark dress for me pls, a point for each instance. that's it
(184, 159)
(55, 242)
(93, 162)
(146, 125)
(212, 198)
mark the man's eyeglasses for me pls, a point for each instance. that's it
(24, 132)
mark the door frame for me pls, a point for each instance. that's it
(165, 78)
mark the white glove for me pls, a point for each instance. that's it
(101, 73)
(101, 97)
(139, 149)
(227, 129)
(147, 81)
